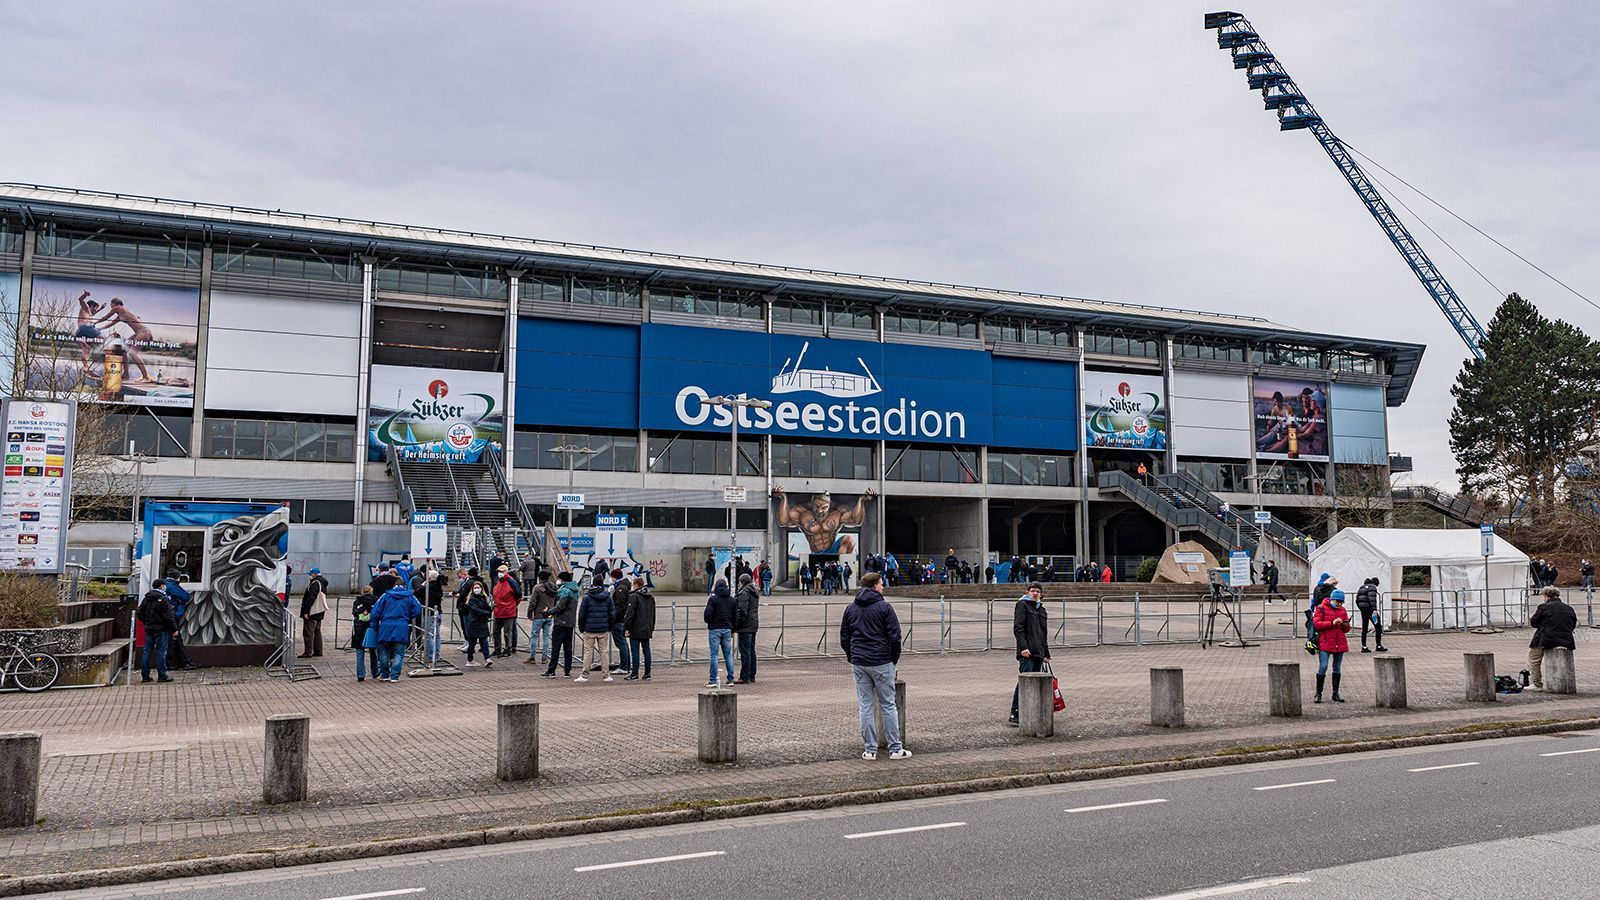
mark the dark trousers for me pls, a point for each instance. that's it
(155, 645)
(560, 642)
(640, 648)
(747, 656)
(1025, 664)
(501, 627)
(622, 648)
(474, 643)
(311, 636)
(176, 654)
(1366, 622)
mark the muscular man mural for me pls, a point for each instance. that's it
(821, 521)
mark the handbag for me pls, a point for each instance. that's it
(1060, 702)
(369, 639)
(319, 606)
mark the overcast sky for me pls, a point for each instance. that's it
(1100, 149)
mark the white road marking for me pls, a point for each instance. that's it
(379, 894)
(1276, 787)
(867, 834)
(1078, 809)
(1570, 752)
(646, 862)
(1239, 888)
(1437, 768)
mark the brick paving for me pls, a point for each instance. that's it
(164, 771)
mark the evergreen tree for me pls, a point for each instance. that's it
(1526, 408)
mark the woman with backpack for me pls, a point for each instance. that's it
(361, 618)
(1330, 623)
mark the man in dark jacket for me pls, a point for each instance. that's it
(1553, 623)
(719, 629)
(1269, 574)
(746, 620)
(159, 624)
(563, 616)
(870, 637)
(1030, 625)
(594, 623)
(541, 600)
(383, 581)
(313, 607)
(1367, 605)
(710, 569)
(639, 625)
(179, 599)
(620, 588)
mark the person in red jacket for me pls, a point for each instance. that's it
(1105, 575)
(506, 597)
(1331, 622)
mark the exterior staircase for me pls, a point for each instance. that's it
(1452, 506)
(477, 499)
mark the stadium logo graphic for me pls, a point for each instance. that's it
(825, 381)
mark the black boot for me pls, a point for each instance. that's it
(1320, 678)
(1336, 697)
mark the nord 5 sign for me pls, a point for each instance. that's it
(819, 387)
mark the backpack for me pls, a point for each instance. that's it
(1506, 684)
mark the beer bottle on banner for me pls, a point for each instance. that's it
(111, 386)
(1294, 442)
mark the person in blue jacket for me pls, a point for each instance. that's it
(179, 599)
(594, 623)
(392, 616)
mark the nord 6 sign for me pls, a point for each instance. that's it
(818, 387)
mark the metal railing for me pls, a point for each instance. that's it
(1452, 505)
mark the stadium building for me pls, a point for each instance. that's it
(359, 371)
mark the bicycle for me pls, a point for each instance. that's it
(30, 669)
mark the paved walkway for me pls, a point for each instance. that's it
(162, 771)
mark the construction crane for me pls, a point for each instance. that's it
(1263, 72)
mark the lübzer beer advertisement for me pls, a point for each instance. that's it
(36, 489)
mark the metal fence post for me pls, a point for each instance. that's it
(1100, 622)
(942, 635)
(1138, 634)
(672, 635)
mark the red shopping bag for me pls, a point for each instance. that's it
(1055, 685)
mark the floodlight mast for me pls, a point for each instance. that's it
(1264, 73)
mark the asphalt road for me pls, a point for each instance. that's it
(1507, 818)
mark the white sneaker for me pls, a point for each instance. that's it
(488, 663)
(580, 679)
(608, 679)
(712, 685)
(869, 754)
(471, 665)
(902, 753)
(1534, 687)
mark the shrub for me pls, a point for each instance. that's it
(27, 601)
(1147, 569)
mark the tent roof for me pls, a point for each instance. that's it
(1422, 546)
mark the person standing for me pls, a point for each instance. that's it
(463, 590)
(869, 634)
(845, 573)
(505, 612)
(805, 579)
(719, 629)
(1269, 574)
(360, 619)
(764, 575)
(746, 621)
(528, 569)
(620, 589)
(179, 598)
(1331, 622)
(392, 616)
(1031, 627)
(563, 617)
(710, 568)
(383, 581)
(432, 598)
(404, 570)
(1367, 605)
(1105, 574)
(594, 623)
(639, 625)
(541, 601)
(1586, 579)
(155, 613)
(479, 611)
(1326, 584)
(313, 608)
(1553, 623)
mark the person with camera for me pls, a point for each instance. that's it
(1330, 623)
(1030, 625)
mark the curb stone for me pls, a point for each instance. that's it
(300, 856)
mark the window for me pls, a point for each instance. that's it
(796, 311)
(542, 288)
(794, 459)
(1293, 477)
(615, 292)
(1351, 361)
(664, 517)
(1210, 348)
(1118, 342)
(860, 316)
(950, 465)
(1042, 469)
(473, 282)
(306, 439)
(1029, 331)
(750, 518)
(1286, 355)
(313, 266)
(942, 323)
(614, 452)
(151, 434)
(10, 236)
(177, 253)
(708, 301)
(1218, 475)
(682, 454)
(710, 517)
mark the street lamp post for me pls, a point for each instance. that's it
(734, 404)
(138, 459)
(570, 451)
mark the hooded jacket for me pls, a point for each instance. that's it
(594, 613)
(719, 608)
(1332, 622)
(619, 602)
(479, 610)
(1030, 624)
(565, 613)
(640, 622)
(1367, 597)
(156, 614)
(392, 615)
(505, 599)
(870, 631)
(542, 601)
(747, 610)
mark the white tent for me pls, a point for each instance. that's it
(1459, 574)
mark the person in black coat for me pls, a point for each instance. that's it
(719, 629)
(638, 625)
(313, 607)
(360, 618)
(159, 624)
(746, 621)
(1031, 627)
(869, 634)
(1553, 623)
(479, 610)
(1367, 604)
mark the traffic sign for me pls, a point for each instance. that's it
(611, 535)
(429, 536)
(1486, 531)
(734, 493)
(1238, 569)
(569, 501)
(1263, 517)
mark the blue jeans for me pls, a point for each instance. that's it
(1024, 664)
(391, 659)
(621, 644)
(434, 623)
(877, 682)
(721, 639)
(363, 654)
(154, 645)
(1322, 662)
(539, 643)
(640, 647)
(480, 643)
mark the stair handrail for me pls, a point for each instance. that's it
(455, 495)
(514, 502)
(408, 503)
(1196, 517)
(1283, 533)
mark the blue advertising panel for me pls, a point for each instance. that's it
(577, 374)
(818, 387)
(1034, 402)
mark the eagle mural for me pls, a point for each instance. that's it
(242, 605)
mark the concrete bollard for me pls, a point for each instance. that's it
(1480, 677)
(1036, 699)
(900, 710)
(1391, 674)
(1166, 697)
(719, 726)
(517, 744)
(283, 775)
(1283, 689)
(20, 753)
(1560, 673)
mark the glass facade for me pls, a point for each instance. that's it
(473, 282)
(951, 465)
(151, 434)
(176, 253)
(943, 323)
(303, 440)
(795, 459)
(1218, 474)
(620, 293)
(708, 301)
(537, 450)
(860, 316)
(1205, 348)
(684, 454)
(1029, 331)
(797, 311)
(251, 260)
(1118, 342)
(1286, 355)
(1042, 469)
(1294, 477)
